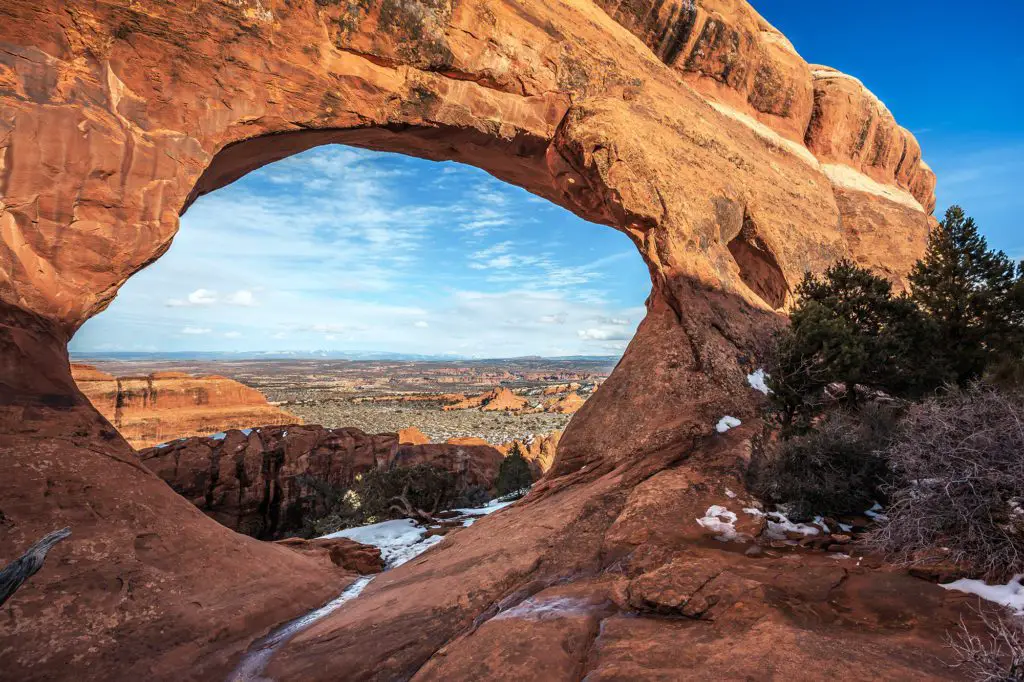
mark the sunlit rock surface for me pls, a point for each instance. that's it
(693, 127)
(164, 406)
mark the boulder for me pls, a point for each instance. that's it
(343, 552)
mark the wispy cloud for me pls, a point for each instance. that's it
(343, 248)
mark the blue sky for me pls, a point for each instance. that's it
(951, 73)
(344, 249)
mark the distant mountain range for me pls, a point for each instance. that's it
(318, 355)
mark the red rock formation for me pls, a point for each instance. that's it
(690, 126)
(412, 436)
(164, 406)
(540, 449)
(342, 552)
(498, 400)
(265, 482)
(561, 388)
(568, 404)
(475, 465)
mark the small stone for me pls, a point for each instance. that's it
(755, 551)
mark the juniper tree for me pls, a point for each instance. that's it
(514, 473)
(847, 328)
(972, 294)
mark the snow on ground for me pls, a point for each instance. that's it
(399, 540)
(778, 525)
(719, 520)
(726, 423)
(1010, 595)
(757, 381)
(255, 660)
(535, 609)
(876, 513)
(402, 540)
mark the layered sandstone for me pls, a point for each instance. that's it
(693, 127)
(270, 482)
(165, 406)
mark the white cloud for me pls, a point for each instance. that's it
(197, 297)
(242, 297)
(594, 334)
(341, 243)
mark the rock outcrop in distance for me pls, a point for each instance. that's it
(164, 406)
(266, 482)
(693, 127)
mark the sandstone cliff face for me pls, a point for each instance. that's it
(164, 406)
(691, 126)
(265, 482)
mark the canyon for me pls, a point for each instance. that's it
(694, 127)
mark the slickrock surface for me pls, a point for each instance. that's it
(693, 127)
(163, 406)
(264, 482)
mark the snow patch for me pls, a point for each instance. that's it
(757, 381)
(753, 511)
(398, 541)
(778, 525)
(876, 513)
(1010, 595)
(719, 520)
(537, 610)
(726, 423)
(730, 494)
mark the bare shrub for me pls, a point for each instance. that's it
(996, 657)
(833, 469)
(959, 490)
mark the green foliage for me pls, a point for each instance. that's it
(974, 296)
(847, 328)
(514, 475)
(426, 488)
(833, 469)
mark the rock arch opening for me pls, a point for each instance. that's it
(759, 268)
(354, 288)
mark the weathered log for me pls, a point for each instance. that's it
(24, 567)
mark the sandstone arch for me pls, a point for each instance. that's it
(648, 116)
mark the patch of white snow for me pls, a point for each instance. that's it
(534, 609)
(730, 494)
(757, 381)
(726, 423)
(1010, 595)
(719, 520)
(399, 540)
(876, 513)
(778, 525)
